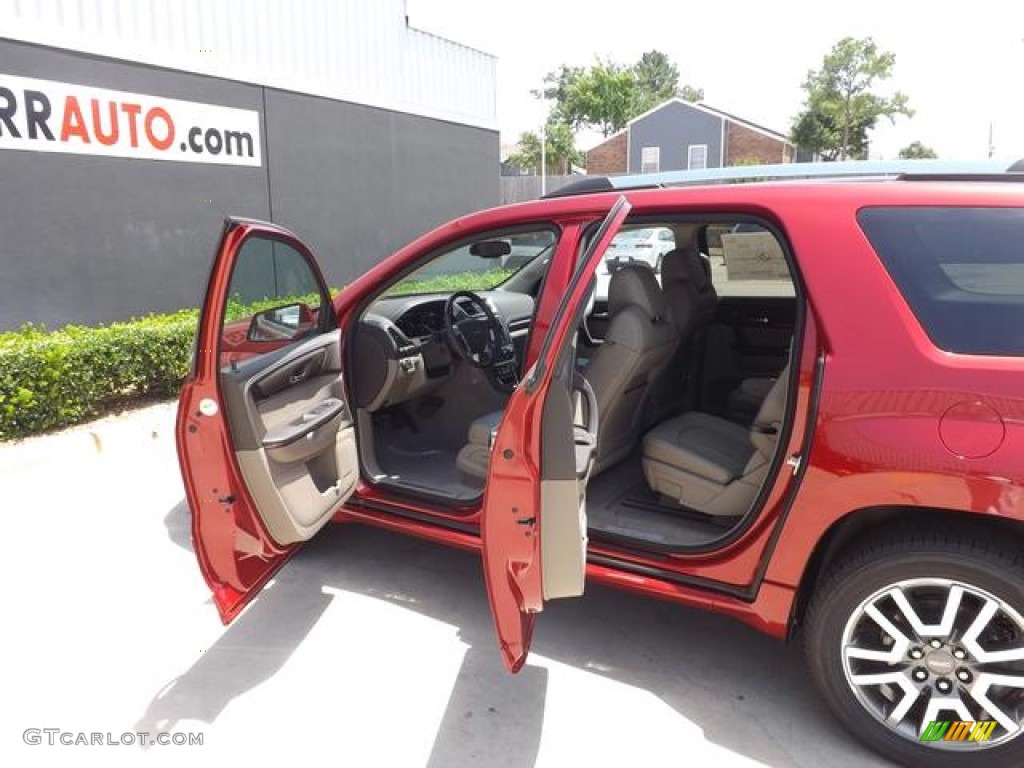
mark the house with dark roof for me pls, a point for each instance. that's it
(678, 135)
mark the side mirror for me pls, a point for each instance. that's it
(491, 249)
(284, 323)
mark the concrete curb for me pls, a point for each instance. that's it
(128, 431)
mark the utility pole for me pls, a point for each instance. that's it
(543, 159)
(542, 95)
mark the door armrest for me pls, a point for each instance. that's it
(309, 421)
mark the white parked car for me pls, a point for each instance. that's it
(640, 245)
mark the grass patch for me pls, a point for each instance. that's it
(461, 281)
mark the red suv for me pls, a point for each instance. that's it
(811, 418)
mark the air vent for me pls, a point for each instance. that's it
(470, 308)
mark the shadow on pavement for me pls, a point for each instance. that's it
(747, 692)
(479, 709)
(251, 650)
(179, 525)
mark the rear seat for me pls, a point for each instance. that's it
(713, 465)
(691, 298)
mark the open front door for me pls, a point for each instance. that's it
(265, 438)
(534, 525)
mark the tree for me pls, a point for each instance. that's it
(602, 97)
(841, 106)
(607, 95)
(915, 150)
(657, 80)
(557, 84)
(559, 149)
(818, 131)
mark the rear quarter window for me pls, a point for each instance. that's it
(961, 270)
(747, 260)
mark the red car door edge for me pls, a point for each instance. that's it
(236, 554)
(511, 544)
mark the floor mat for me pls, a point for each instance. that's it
(433, 471)
(620, 504)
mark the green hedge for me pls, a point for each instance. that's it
(55, 379)
(52, 379)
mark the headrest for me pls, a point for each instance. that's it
(635, 285)
(685, 265)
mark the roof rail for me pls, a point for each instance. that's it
(993, 170)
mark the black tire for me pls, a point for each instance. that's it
(983, 563)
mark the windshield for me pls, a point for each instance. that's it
(461, 269)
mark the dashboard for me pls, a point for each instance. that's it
(401, 351)
(422, 320)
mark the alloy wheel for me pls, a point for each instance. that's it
(925, 650)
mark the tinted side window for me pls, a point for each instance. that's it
(961, 270)
(273, 300)
(269, 270)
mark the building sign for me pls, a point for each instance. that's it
(47, 116)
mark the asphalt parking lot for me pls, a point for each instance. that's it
(368, 649)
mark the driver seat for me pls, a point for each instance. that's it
(638, 344)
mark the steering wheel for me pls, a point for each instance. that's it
(480, 338)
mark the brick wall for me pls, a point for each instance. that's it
(742, 143)
(609, 157)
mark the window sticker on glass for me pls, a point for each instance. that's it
(754, 256)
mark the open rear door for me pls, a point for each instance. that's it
(264, 435)
(534, 525)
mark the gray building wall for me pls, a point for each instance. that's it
(673, 128)
(356, 183)
(86, 239)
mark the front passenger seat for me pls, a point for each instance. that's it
(637, 345)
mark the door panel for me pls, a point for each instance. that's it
(294, 437)
(533, 512)
(265, 438)
(567, 456)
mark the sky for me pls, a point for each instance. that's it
(960, 63)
